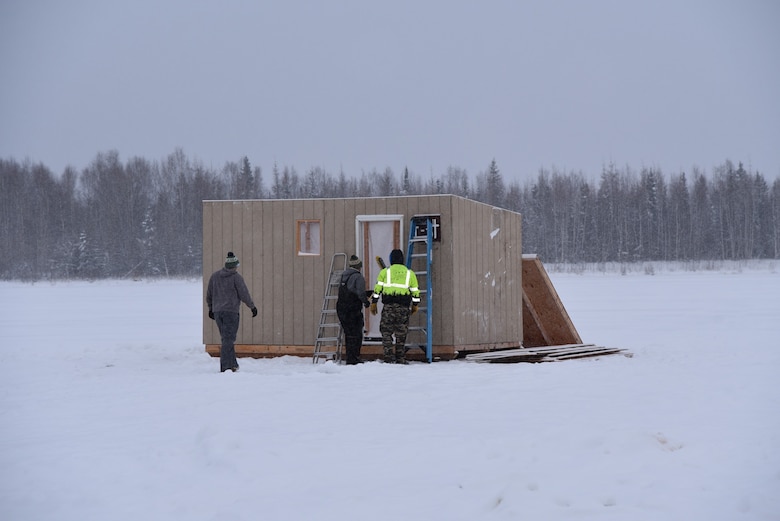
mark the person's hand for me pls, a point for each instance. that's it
(211, 314)
(414, 309)
(373, 308)
(254, 311)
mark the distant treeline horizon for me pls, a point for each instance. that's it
(143, 218)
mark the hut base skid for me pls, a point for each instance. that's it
(548, 333)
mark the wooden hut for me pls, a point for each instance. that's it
(286, 248)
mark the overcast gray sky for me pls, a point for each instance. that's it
(357, 85)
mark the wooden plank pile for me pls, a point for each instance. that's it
(544, 354)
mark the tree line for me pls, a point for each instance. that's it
(142, 218)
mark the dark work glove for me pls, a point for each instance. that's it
(211, 314)
(254, 312)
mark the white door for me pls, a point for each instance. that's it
(377, 236)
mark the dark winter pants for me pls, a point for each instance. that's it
(352, 324)
(227, 323)
(395, 321)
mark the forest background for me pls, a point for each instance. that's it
(142, 218)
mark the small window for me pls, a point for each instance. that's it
(308, 237)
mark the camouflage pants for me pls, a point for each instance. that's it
(394, 322)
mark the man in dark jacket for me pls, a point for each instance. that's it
(349, 308)
(226, 291)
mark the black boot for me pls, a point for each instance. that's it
(400, 354)
(353, 354)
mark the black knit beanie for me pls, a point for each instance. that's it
(396, 257)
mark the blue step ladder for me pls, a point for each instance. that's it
(419, 258)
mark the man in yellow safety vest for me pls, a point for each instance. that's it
(397, 285)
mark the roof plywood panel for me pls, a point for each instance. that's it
(548, 321)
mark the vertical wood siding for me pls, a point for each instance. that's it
(476, 273)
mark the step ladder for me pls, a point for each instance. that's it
(419, 258)
(329, 335)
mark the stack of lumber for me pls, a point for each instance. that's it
(543, 354)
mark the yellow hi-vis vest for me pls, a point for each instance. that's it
(397, 283)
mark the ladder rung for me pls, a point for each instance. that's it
(328, 339)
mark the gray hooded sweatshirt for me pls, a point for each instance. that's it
(226, 291)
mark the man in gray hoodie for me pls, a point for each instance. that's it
(226, 291)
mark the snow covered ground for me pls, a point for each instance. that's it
(111, 410)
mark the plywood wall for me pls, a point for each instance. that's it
(476, 274)
(487, 263)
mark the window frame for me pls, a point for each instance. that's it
(303, 238)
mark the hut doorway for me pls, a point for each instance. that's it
(377, 236)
